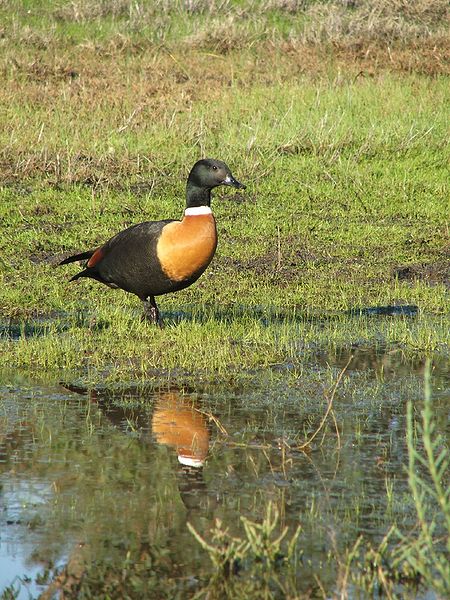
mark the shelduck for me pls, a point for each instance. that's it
(158, 257)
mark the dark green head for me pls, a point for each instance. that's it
(209, 173)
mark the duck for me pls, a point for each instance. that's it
(159, 257)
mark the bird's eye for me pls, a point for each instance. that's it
(214, 168)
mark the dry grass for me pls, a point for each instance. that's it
(87, 104)
(275, 40)
(226, 25)
(133, 83)
(379, 21)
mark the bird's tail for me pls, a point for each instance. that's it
(84, 273)
(75, 257)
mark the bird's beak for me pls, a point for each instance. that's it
(232, 182)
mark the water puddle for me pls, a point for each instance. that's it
(91, 477)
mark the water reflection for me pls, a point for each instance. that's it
(178, 424)
(172, 420)
(172, 417)
(390, 362)
(101, 473)
(66, 480)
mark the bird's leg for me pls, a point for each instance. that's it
(151, 311)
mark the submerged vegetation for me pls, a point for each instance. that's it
(401, 564)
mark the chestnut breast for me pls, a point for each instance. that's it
(185, 248)
(176, 423)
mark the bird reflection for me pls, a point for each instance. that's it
(178, 424)
(174, 422)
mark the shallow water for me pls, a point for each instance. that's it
(97, 473)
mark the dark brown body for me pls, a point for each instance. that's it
(155, 258)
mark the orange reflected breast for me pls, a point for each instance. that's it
(176, 423)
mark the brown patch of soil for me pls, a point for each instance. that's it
(281, 268)
(429, 57)
(48, 258)
(433, 273)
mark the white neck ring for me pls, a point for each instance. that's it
(188, 461)
(195, 211)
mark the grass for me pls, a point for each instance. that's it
(107, 105)
(117, 347)
(425, 553)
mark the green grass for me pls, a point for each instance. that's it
(345, 159)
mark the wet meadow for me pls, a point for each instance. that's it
(286, 433)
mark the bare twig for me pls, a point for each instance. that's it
(214, 419)
(327, 412)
